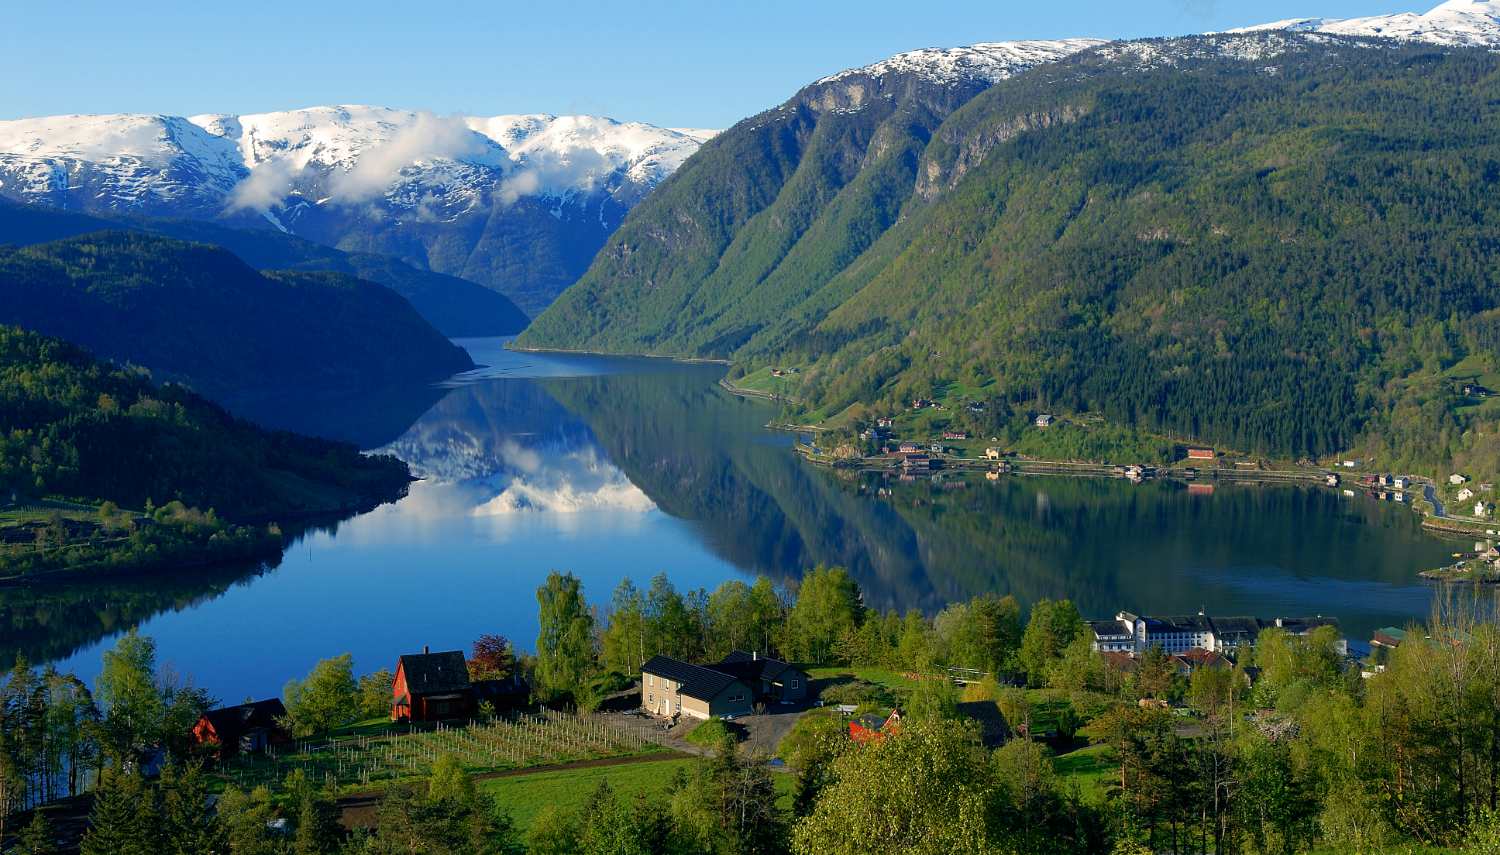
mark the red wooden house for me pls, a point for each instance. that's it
(432, 687)
(873, 728)
(247, 727)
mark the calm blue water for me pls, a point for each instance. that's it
(615, 467)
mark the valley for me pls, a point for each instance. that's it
(913, 431)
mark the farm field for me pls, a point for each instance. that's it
(370, 757)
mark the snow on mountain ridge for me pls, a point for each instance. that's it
(340, 153)
(988, 62)
(1456, 23)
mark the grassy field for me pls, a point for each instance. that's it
(1090, 769)
(879, 676)
(525, 795)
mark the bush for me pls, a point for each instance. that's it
(709, 734)
(858, 693)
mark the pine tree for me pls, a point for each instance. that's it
(188, 825)
(122, 821)
(36, 838)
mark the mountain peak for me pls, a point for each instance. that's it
(1457, 23)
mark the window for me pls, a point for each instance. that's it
(793, 684)
(651, 699)
(650, 679)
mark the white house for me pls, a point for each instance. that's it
(1400, 482)
(992, 454)
(1044, 420)
(1457, 479)
(1481, 509)
(1465, 494)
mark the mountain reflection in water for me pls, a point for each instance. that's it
(616, 467)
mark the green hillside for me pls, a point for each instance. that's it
(456, 307)
(85, 448)
(1281, 244)
(195, 314)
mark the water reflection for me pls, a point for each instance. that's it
(629, 467)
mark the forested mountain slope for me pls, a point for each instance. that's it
(196, 314)
(774, 207)
(1274, 240)
(456, 307)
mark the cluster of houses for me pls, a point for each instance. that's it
(734, 686)
(1196, 640)
(1468, 493)
(427, 686)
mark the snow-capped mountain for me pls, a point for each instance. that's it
(348, 175)
(988, 62)
(1458, 23)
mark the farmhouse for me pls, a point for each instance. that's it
(731, 687)
(1044, 420)
(1465, 494)
(771, 680)
(670, 687)
(432, 687)
(245, 728)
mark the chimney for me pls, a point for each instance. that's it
(426, 650)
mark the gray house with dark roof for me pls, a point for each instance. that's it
(772, 680)
(670, 687)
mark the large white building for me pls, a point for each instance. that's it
(1131, 633)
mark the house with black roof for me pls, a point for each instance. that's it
(772, 680)
(670, 687)
(245, 728)
(432, 687)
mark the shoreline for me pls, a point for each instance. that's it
(695, 360)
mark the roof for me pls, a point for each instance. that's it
(230, 723)
(1179, 623)
(749, 666)
(1246, 626)
(1306, 624)
(435, 673)
(695, 681)
(1109, 628)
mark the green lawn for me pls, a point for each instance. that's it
(879, 676)
(1090, 769)
(525, 795)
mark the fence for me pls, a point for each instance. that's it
(513, 742)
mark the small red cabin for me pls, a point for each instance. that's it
(432, 687)
(873, 728)
(247, 727)
(1201, 454)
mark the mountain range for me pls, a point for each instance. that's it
(517, 203)
(1255, 238)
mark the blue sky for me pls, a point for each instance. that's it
(702, 64)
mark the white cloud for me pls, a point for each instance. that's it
(555, 172)
(563, 484)
(265, 187)
(428, 137)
